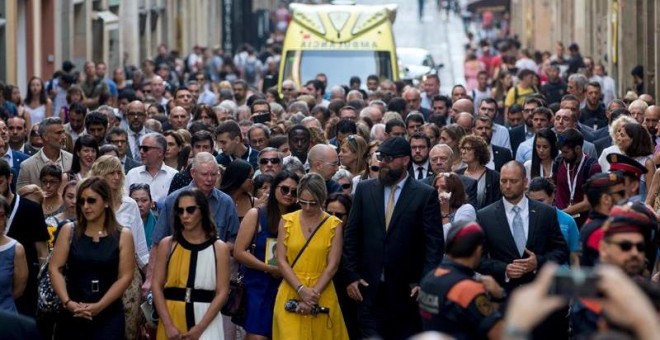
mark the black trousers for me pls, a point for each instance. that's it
(388, 313)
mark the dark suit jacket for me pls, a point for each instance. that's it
(469, 184)
(603, 143)
(517, 136)
(29, 149)
(544, 239)
(130, 163)
(411, 247)
(501, 156)
(412, 171)
(492, 192)
(17, 158)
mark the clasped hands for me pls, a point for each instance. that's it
(309, 297)
(520, 267)
(83, 310)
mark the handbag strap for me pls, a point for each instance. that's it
(308, 240)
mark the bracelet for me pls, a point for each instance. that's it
(299, 288)
(66, 303)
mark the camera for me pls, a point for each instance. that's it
(292, 306)
(575, 283)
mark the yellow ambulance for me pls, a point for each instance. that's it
(341, 41)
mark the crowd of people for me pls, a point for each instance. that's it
(346, 211)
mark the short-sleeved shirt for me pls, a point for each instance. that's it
(159, 184)
(221, 206)
(511, 97)
(569, 230)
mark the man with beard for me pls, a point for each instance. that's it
(393, 238)
(525, 131)
(51, 131)
(651, 118)
(420, 167)
(593, 113)
(627, 235)
(455, 300)
(26, 224)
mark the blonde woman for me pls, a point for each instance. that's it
(353, 154)
(128, 215)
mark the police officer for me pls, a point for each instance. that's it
(632, 172)
(454, 299)
(603, 191)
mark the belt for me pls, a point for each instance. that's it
(189, 295)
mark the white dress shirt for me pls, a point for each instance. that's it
(128, 215)
(425, 169)
(501, 136)
(524, 214)
(159, 184)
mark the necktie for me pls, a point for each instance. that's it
(136, 152)
(518, 230)
(420, 172)
(390, 207)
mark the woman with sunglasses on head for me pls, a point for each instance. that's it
(127, 214)
(353, 154)
(254, 249)
(191, 274)
(237, 183)
(98, 256)
(453, 200)
(85, 152)
(308, 270)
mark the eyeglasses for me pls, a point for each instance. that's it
(374, 168)
(346, 186)
(136, 114)
(146, 148)
(340, 215)
(189, 209)
(308, 203)
(387, 158)
(284, 190)
(627, 245)
(88, 200)
(265, 161)
(351, 138)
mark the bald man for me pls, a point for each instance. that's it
(461, 105)
(324, 161)
(413, 99)
(136, 115)
(651, 118)
(465, 120)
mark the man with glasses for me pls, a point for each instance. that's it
(51, 131)
(603, 192)
(258, 136)
(136, 115)
(270, 161)
(626, 239)
(324, 161)
(420, 167)
(393, 238)
(204, 173)
(119, 138)
(154, 171)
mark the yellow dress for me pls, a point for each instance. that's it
(308, 269)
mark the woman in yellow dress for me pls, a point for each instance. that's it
(308, 280)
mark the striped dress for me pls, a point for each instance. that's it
(191, 266)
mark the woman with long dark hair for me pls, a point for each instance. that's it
(237, 183)
(37, 103)
(191, 274)
(85, 152)
(254, 249)
(635, 141)
(544, 153)
(99, 261)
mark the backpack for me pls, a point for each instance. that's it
(250, 71)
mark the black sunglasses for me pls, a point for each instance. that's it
(374, 168)
(89, 200)
(346, 186)
(189, 209)
(265, 161)
(387, 158)
(146, 148)
(337, 214)
(628, 245)
(284, 190)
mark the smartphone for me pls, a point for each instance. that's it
(263, 118)
(575, 283)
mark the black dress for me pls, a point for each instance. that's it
(92, 268)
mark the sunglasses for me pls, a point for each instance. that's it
(146, 148)
(308, 203)
(284, 190)
(627, 246)
(189, 209)
(88, 200)
(374, 168)
(265, 161)
(387, 158)
(346, 186)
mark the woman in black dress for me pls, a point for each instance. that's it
(99, 259)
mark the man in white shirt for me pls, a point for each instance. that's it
(154, 171)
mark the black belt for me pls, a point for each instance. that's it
(189, 295)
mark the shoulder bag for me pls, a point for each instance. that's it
(48, 303)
